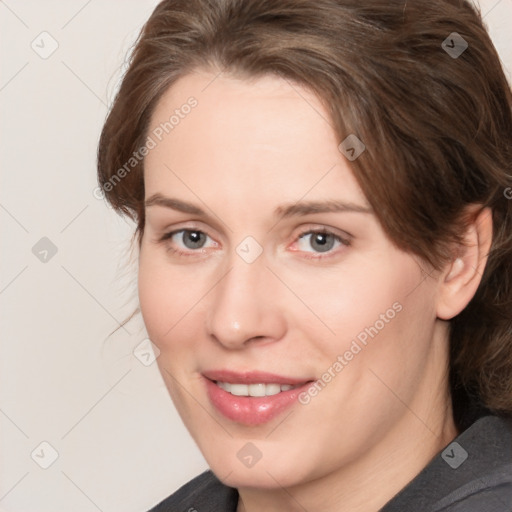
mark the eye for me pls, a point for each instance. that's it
(189, 240)
(319, 242)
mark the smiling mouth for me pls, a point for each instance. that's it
(252, 398)
(255, 390)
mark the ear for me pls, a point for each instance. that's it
(460, 278)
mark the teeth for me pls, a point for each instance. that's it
(239, 389)
(272, 389)
(254, 389)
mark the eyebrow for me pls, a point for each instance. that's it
(312, 207)
(174, 204)
(284, 211)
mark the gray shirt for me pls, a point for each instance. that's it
(472, 474)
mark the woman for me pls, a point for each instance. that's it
(321, 196)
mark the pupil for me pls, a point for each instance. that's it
(193, 239)
(322, 242)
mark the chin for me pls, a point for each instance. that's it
(242, 463)
(264, 477)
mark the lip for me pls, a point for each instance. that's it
(252, 377)
(252, 411)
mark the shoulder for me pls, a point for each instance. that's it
(205, 493)
(471, 474)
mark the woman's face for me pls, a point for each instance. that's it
(263, 269)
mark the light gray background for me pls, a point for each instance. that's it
(120, 444)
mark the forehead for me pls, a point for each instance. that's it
(245, 137)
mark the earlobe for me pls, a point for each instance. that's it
(461, 277)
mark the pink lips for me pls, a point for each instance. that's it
(251, 410)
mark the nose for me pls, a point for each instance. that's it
(244, 308)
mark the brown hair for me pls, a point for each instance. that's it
(437, 128)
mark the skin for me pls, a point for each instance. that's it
(247, 151)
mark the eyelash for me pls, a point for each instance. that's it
(318, 256)
(343, 241)
(166, 239)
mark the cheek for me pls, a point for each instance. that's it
(154, 298)
(168, 296)
(354, 301)
(386, 332)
